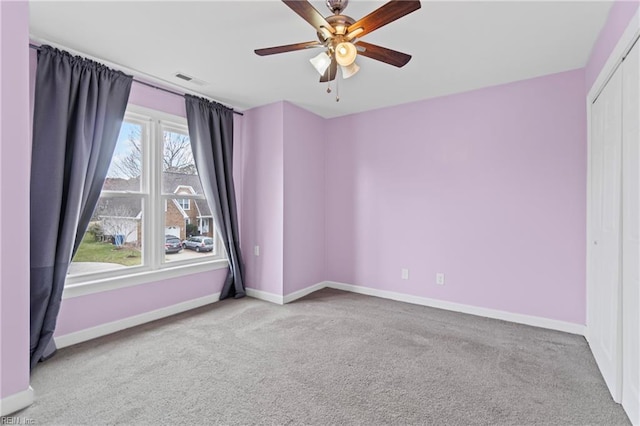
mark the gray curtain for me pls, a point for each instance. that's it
(78, 110)
(211, 134)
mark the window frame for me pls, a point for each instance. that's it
(153, 203)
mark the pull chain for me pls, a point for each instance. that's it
(337, 87)
(329, 80)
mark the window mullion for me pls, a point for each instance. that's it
(152, 252)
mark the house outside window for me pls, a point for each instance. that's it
(152, 192)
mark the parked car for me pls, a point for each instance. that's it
(198, 243)
(172, 244)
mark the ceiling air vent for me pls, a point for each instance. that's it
(192, 80)
(184, 77)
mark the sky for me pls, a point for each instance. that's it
(123, 145)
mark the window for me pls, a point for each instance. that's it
(152, 197)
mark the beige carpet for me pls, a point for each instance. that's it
(330, 358)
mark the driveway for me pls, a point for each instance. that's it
(185, 254)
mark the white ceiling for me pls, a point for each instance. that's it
(456, 46)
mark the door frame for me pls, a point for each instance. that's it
(608, 355)
(620, 51)
(629, 237)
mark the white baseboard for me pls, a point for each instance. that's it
(551, 324)
(305, 291)
(281, 300)
(16, 402)
(266, 296)
(547, 323)
(112, 327)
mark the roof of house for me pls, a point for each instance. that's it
(171, 181)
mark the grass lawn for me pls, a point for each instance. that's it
(93, 251)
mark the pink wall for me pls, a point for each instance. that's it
(149, 97)
(486, 186)
(263, 194)
(83, 312)
(15, 160)
(283, 199)
(304, 193)
(619, 17)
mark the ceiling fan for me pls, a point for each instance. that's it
(340, 34)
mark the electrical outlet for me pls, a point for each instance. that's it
(404, 274)
(256, 250)
(440, 278)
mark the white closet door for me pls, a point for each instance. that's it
(631, 235)
(604, 313)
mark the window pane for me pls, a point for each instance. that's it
(113, 239)
(179, 175)
(188, 219)
(194, 230)
(126, 165)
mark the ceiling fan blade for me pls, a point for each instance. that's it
(379, 53)
(309, 14)
(287, 48)
(383, 15)
(330, 73)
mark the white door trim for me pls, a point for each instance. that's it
(630, 236)
(605, 308)
(622, 48)
(620, 51)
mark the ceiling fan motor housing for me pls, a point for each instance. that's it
(340, 23)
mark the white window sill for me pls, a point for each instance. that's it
(100, 285)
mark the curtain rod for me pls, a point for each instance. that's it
(153, 86)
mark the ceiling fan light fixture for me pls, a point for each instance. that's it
(346, 53)
(321, 62)
(350, 70)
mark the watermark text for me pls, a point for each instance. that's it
(6, 420)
